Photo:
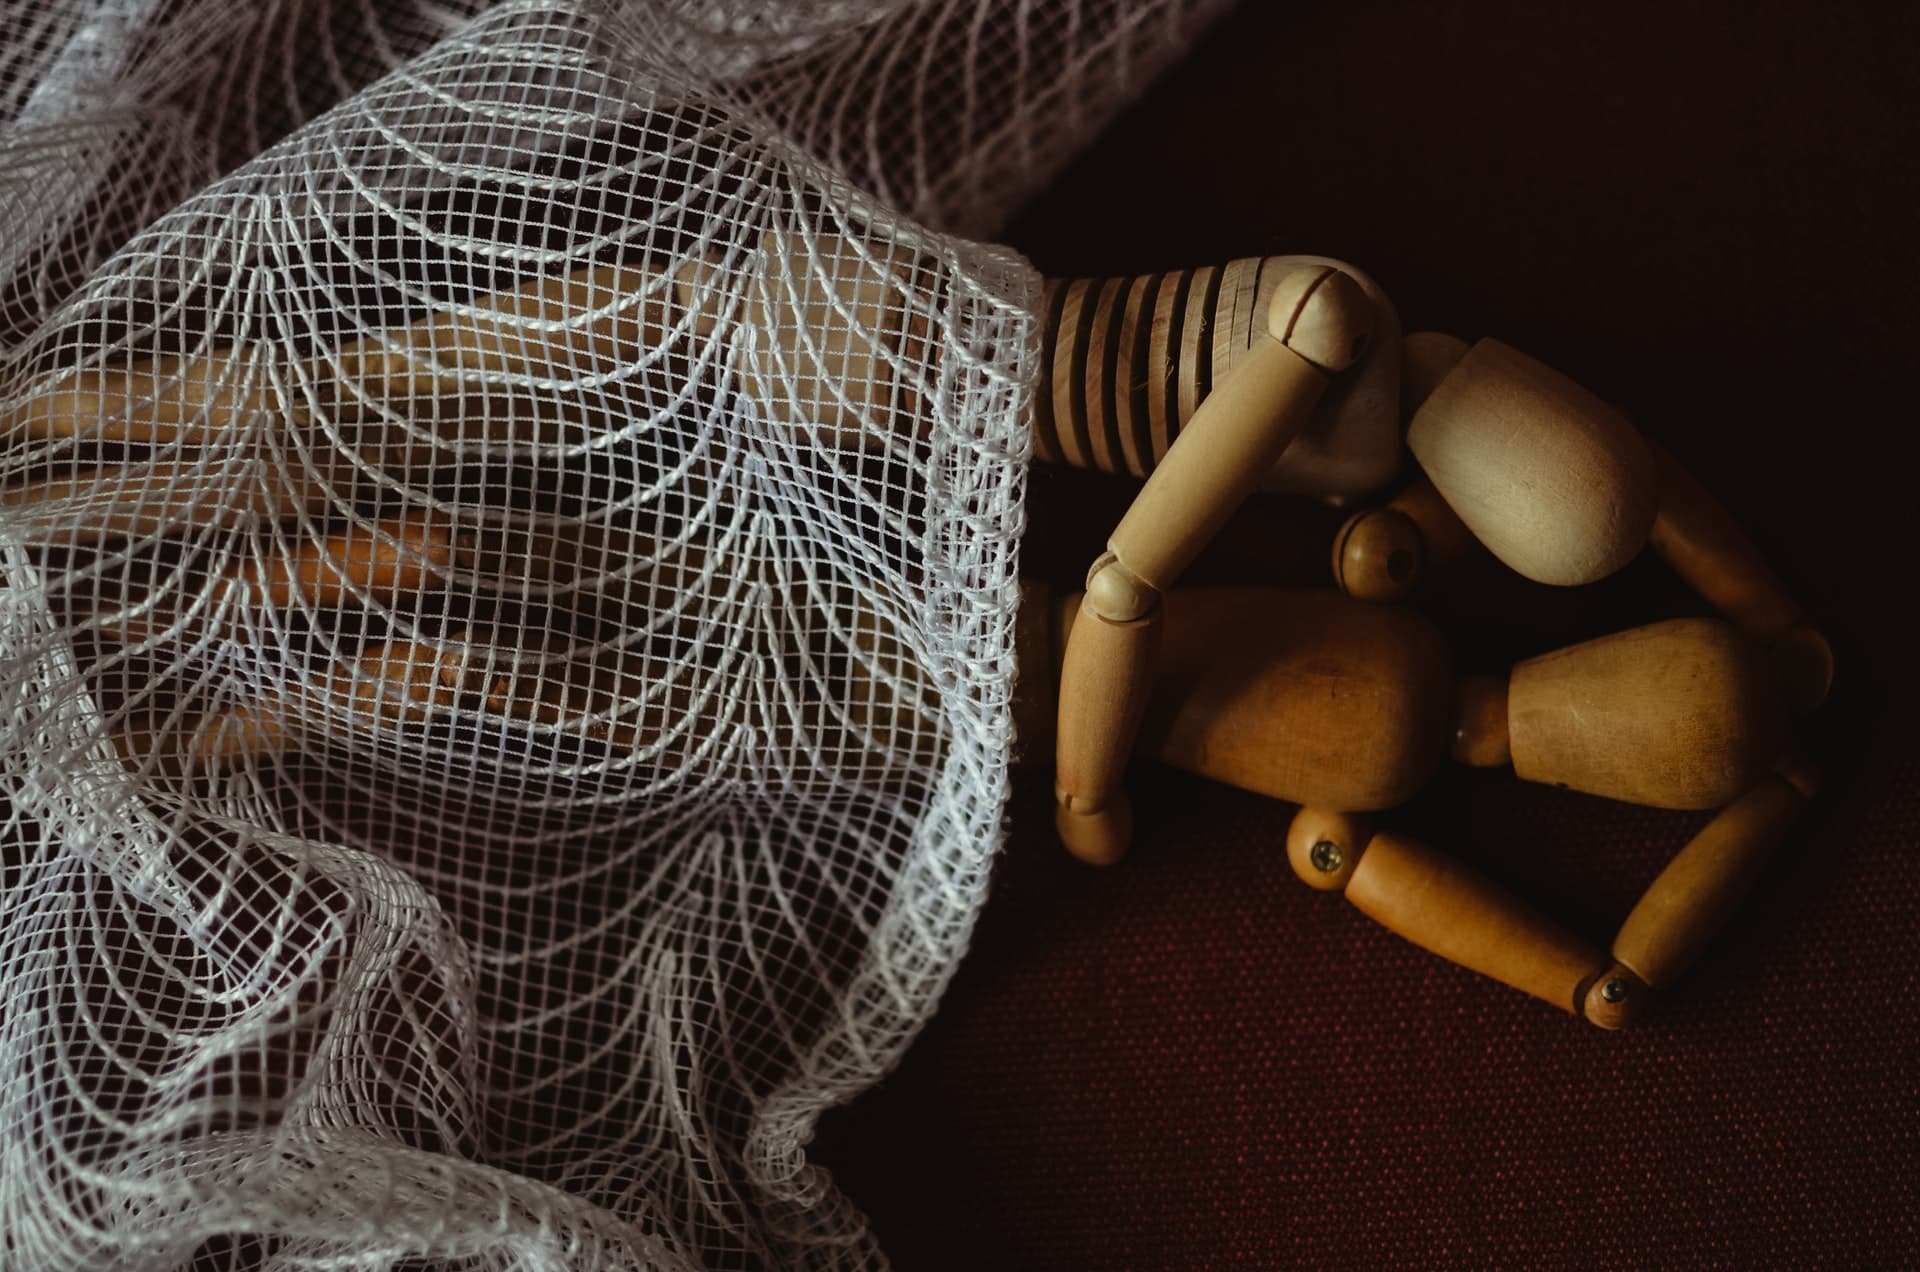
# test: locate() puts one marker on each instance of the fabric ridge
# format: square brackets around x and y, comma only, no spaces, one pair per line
[509,516]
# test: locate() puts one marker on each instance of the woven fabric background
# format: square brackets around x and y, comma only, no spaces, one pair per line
[1707,214]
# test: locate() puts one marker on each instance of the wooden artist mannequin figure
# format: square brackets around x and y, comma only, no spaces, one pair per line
[1203,382]
[1344,714]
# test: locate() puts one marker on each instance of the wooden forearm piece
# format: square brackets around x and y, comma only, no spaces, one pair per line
[393,681]
[592,322]
[1319,321]
[152,400]
[378,561]
[1109,664]
[1432,900]
[1699,538]
[384,561]
[631,704]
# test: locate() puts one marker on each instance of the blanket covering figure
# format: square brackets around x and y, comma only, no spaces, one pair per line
[311,953]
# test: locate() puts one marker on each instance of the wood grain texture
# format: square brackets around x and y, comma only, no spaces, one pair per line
[1102,405]
[1244,425]
[1302,696]
[1427,897]
[1677,714]
[1133,376]
[1552,480]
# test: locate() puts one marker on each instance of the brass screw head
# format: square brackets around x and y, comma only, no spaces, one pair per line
[1613,990]
[1326,856]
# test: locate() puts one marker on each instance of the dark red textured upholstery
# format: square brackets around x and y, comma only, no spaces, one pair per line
[1707,213]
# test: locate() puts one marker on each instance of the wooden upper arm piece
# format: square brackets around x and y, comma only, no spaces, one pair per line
[1318,323]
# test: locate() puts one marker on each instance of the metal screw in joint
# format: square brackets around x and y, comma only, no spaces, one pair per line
[1613,990]
[1326,856]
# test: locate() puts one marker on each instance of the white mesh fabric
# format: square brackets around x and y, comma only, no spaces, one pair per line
[508,621]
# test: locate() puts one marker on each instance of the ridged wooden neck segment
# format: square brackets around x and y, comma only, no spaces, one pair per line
[1127,361]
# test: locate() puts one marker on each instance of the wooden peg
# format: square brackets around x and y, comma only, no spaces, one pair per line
[1379,555]
[1555,482]
[1428,898]
[1382,554]
[1699,538]
[1318,322]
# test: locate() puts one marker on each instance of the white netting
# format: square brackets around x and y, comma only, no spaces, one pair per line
[509,604]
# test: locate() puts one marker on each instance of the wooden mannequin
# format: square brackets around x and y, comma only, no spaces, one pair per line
[1314,698]
[1340,705]
[1201,381]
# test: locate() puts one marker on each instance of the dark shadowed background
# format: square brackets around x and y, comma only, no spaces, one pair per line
[1707,213]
